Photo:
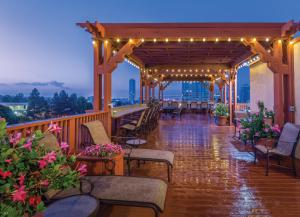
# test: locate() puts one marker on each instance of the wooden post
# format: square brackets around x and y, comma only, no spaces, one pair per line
[225,93]
[230,102]
[141,91]
[97,77]
[107,76]
[212,90]
[153,91]
[146,92]
[235,93]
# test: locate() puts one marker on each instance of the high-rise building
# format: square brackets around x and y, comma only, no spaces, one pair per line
[195,91]
[131,91]
[244,96]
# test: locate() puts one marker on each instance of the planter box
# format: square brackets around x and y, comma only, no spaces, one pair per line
[221,120]
[266,141]
[268,121]
[97,166]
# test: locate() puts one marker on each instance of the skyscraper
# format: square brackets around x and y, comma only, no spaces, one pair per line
[131,91]
[195,91]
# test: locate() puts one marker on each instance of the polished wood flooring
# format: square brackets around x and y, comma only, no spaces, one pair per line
[214,175]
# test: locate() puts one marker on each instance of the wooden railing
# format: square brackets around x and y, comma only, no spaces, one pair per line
[71,126]
[242,106]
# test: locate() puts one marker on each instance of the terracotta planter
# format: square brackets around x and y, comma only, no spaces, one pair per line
[97,166]
[269,142]
[268,121]
[221,120]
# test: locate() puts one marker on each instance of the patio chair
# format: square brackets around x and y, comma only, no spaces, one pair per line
[204,107]
[98,135]
[284,147]
[134,129]
[115,190]
[194,106]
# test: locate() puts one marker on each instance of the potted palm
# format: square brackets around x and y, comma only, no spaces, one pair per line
[221,113]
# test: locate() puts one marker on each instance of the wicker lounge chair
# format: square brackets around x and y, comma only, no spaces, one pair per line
[99,136]
[115,190]
[284,148]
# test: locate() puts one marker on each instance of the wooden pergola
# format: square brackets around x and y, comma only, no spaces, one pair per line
[167,52]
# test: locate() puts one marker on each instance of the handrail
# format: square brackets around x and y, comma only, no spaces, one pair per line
[71,126]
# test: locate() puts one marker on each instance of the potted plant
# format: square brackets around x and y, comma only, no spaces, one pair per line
[28,169]
[269,117]
[103,159]
[221,113]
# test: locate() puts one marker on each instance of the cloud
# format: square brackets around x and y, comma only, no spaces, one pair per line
[43,84]
[45,88]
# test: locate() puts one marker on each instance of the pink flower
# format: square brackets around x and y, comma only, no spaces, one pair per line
[54,128]
[42,164]
[21,179]
[5,174]
[50,157]
[8,161]
[276,129]
[64,146]
[34,201]
[19,195]
[2,119]
[15,138]
[44,182]
[82,169]
[28,145]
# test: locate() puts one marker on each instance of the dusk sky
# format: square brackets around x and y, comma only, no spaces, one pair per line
[39,41]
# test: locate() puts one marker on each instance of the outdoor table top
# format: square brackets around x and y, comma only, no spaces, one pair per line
[75,206]
[126,111]
[136,142]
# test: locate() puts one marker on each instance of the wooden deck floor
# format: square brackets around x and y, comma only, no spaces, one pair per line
[214,176]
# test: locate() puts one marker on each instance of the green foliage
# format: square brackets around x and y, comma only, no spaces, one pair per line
[221,110]
[37,105]
[62,104]
[17,98]
[8,114]
[254,127]
[28,169]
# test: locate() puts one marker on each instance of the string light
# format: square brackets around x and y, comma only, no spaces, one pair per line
[118,40]
[179,39]
[191,40]
[229,39]
[279,41]
[94,42]
[242,39]
[154,40]
[217,39]
[204,39]
[167,40]
[130,40]
[254,39]
[267,39]
[143,39]
[106,41]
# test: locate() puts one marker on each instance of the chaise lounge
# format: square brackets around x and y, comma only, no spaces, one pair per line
[98,135]
[116,190]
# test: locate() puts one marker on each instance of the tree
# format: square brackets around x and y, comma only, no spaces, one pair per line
[83,105]
[73,101]
[8,114]
[60,103]
[37,105]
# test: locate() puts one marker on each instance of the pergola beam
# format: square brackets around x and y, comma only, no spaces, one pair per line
[186,30]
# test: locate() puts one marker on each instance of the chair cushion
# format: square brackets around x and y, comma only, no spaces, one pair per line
[124,189]
[277,151]
[128,127]
[98,132]
[152,155]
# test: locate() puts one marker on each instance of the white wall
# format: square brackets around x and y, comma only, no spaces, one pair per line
[297,81]
[261,86]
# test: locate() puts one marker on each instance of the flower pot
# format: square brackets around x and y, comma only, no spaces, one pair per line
[269,142]
[268,121]
[221,120]
[101,166]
